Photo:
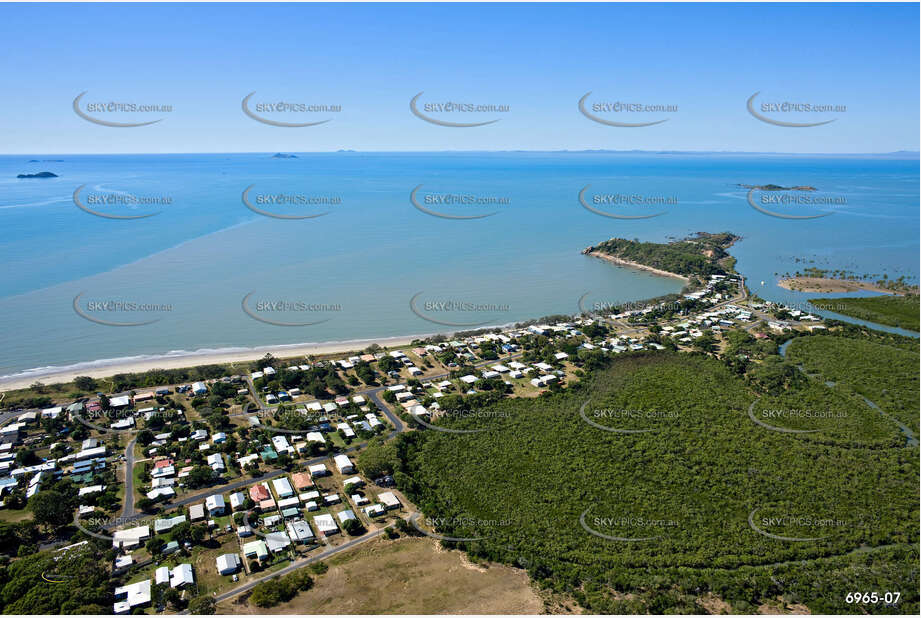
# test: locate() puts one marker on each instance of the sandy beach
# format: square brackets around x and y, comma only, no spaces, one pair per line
[629,264]
[826,285]
[103,369]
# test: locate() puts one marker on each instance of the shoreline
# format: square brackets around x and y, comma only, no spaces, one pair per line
[829,285]
[636,265]
[104,368]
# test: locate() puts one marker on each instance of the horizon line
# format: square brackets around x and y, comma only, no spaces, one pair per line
[915,153]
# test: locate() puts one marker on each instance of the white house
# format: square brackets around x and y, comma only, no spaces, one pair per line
[215,504]
[282,487]
[344,464]
[389,500]
[325,524]
[228,564]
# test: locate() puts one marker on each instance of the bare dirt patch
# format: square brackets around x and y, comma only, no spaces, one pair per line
[408,576]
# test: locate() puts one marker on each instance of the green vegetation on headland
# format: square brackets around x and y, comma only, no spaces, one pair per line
[682,499]
[901,311]
[698,256]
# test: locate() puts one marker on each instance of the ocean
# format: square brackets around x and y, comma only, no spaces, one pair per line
[375,251]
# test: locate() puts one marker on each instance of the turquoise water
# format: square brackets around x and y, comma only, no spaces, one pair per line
[373,250]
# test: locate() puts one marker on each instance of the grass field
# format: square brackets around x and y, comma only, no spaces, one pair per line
[901,311]
[408,576]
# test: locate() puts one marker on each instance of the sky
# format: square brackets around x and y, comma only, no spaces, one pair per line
[539,60]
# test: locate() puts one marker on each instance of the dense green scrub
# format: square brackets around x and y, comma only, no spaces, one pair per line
[901,311]
[702,255]
[683,498]
[884,374]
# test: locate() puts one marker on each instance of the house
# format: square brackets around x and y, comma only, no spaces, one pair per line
[356,481]
[132,595]
[389,500]
[282,488]
[316,436]
[181,575]
[258,493]
[256,549]
[299,531]
[216,461]
[228,564]
[302,481]
[281,444]
[277,541]
[167,524]
[325,524]
[344,464]
[215,504]
[347,431]
[318,470]
[199,388]
[374,510]
[346,515]
[219,438]
[130,538]
[196,512]
[120,402]
[236,501]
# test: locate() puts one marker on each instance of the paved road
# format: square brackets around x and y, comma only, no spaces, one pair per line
[128,508]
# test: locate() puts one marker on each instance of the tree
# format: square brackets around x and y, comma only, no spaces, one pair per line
[85,383]
[155,545]
[353,527]
[146,504]
[201,606]
[50,508]
[145,437]
[377,459]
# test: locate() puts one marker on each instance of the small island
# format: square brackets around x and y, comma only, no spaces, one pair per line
[772,187]
[280,155]
[38,175]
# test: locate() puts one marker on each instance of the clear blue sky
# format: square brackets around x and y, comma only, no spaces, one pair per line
[538,59]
